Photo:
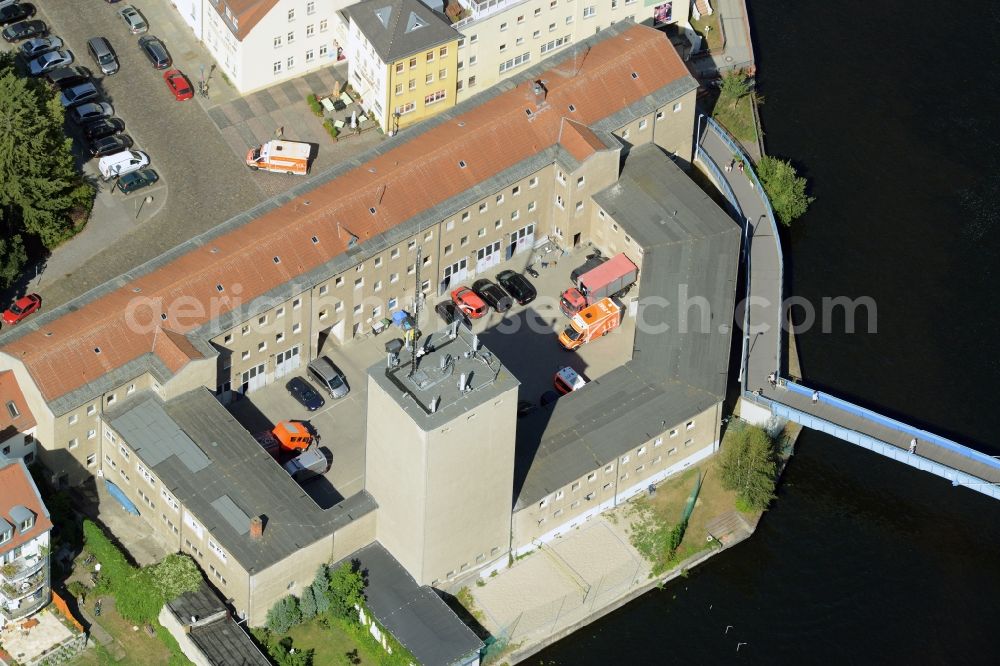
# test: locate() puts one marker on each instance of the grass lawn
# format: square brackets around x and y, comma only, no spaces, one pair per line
[331,645]
[713,36]
[736,117]
[141,649]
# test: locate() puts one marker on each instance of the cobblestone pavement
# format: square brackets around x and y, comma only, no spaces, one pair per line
[204,182]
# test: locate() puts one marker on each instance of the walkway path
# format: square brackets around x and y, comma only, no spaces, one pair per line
[763,351]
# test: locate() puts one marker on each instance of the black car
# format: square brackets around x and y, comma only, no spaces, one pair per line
[517,286]
[305,394]
[25,30]
[64,77]
[102,128]
[494,296]
[14,13]
[136,180]
[156,51]
[109,145]
[449,312]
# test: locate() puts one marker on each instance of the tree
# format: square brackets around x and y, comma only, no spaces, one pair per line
[285,655]
[307,604]
[347,590]
[321,591]
[748,465]
[284,615]
[41,188]
[175,575]
[785,188]
[735,86]
[12,259]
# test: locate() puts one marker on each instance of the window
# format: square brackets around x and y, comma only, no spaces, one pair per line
[625,459]
[575,486]
[12,409]
[291,14]
[393,278]
[642,124]
[642,450]
[215,548]
[658,441]
[262,320]
[339,282]
[310,8]
[73,443]
[92,409]
[552,27]
[589,11]
[358,283]
[544,503]
[392,303]
[277,42]
[608,469]
[472,61]
[688,443]
[123,451]
[92,433]
[91,460]
[503,26]
[533,182]
[442,73]
[322,26]
[227,338]
[532,206]
[673,433]
[579,182]
[515,215]
[483,207]
[503,47]
[579,206]
[538,11]
[412,84]
[464,241]
[672,451]
[559,495]
[73,419]
[245,330]
[472,82]
[591,477]
[112,398]
[310,55]
[296,327]
[277,67]
[473,39]
[280,337]
[560,202]
[689,425]
[413,63]
[429,77]
[429,56]
[449,248]
[677,107]
[357,310]
[394,254]
[516,61]
[290,62]
[377,286]
[245,356]
[625,134]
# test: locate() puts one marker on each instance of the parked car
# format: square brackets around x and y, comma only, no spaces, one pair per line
[517,286]
[15,12]
[122,163]
[90,111]
[331,379]
[39,45]
[49,61]
[178,84]
[21,308]
[109,145]
[133,19]
[493,294]
[78,94]
[102,53]
[156,51]
[68,76]
[306,395]
[25,30]
[567,380]
[103,127]
[137,180]
[469,302]
[450,312]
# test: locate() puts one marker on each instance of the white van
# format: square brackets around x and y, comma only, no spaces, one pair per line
[122,163]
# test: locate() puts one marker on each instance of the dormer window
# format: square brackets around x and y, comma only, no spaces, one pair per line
[6,535]
[27,523]
[12,409]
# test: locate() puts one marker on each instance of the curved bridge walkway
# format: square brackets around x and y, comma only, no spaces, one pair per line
[763,351]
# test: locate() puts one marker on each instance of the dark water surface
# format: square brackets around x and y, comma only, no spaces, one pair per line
[892,110]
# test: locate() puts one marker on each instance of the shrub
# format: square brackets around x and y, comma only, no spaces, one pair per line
[749,466]
[307,604]
[175,575]
[785,188]
[347,590]
[77,589]
[314,105]
[284,615]
[320,590]
[331,128]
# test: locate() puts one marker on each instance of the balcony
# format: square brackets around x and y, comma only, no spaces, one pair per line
[27,606]
[21,568]
[25,587]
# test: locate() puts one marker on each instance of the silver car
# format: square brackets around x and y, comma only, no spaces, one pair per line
[133,19]
[39,45]
[78,94]
[49,61]
[90,112]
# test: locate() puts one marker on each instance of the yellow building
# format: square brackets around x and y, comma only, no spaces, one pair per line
[403,60]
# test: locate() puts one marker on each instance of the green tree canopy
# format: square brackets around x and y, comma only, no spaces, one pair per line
[40,186]
[12,257]
[785,188]
[175,575]
[347,590]
[749,466]
[284,615]
[735,86]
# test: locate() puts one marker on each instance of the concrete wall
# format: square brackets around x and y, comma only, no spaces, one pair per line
[354,536]
[289,576]
[178,631]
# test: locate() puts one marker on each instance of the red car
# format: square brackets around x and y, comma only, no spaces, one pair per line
[178,84]
[468,302]
[22,307]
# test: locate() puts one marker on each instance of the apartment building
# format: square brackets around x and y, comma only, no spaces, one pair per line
[17,425]
[402,60]
[502,38]
[25,586]
[260,43]
[122,384]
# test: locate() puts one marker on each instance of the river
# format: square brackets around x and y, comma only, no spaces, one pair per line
[891,110]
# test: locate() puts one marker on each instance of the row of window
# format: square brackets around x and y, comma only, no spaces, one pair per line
[290,37]
[428,57]
[428,79]
[289,64]
[480,559]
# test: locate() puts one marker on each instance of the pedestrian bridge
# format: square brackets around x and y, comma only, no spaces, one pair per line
[763,354]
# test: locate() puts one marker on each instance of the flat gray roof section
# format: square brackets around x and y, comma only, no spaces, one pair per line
[400,28]
[213,630]
[679,362]
[414,614]
[431,394]
[238,481]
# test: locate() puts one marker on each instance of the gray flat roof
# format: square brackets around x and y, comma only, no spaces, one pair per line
[400,28]
[414,614]
[430,394]
[238,480]
[679,362]
[221,640]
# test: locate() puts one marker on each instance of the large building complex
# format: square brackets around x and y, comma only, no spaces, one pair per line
[131,381]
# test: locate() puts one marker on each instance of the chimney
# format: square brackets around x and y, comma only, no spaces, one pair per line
[256,528]
[540,92]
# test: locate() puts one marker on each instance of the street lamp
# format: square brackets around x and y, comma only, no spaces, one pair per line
[148,199]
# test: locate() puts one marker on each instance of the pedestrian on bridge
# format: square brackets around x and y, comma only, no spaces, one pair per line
[815,397]
[913,445]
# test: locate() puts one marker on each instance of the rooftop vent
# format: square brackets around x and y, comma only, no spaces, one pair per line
[257,527]
[97,350]
[315,239]
[163,316]
[461,164]
[276,260]
[635,75]
[136,289]
[219,288]
[372,210]
[528,112]
[462,382]
[572,108]
[214,250]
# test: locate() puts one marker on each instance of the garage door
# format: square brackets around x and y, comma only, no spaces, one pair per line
[488,257]
[521,240]
[286,362]
[253,379]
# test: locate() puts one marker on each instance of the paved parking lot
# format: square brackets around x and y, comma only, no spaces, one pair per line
[203,182]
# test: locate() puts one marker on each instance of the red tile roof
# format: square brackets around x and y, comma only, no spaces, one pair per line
[248,13]
[17,487]
[579,140]
[489,137]
[11,392]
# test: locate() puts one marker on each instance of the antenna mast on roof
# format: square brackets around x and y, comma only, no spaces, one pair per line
[581,60]
[417,297]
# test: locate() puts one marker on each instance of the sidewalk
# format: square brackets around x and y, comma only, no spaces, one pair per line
[738,53]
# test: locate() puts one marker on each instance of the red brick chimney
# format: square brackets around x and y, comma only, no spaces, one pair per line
[256,528]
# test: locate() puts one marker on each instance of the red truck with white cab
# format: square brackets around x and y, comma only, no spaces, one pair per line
[613,278]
